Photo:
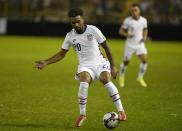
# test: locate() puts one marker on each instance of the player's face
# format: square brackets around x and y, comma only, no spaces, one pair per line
[77,23]
[135,12]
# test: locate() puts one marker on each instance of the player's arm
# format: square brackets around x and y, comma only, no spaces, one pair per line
[145,34]
[110,58]
[57,57]
[123,32]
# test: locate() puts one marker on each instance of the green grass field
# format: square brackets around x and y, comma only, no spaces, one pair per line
[46,100]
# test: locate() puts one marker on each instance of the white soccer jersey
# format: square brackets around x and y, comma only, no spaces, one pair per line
[134,27]
[86,45]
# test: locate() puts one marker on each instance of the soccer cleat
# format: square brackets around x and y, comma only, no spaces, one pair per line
[122,116]
[121,81]
[142,82]
[80,120]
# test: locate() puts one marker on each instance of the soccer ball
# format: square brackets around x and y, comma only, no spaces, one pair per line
[111,120]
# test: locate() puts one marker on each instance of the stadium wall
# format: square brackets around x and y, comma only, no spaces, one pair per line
[156,32]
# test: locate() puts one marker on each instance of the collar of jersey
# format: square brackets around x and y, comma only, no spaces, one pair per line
[136,19]
[84,29]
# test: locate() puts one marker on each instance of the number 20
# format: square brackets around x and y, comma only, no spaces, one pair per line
[77,46]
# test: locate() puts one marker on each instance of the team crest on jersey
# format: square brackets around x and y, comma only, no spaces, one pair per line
[90,37]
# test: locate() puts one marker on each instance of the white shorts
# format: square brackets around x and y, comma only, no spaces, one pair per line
[129,51]
[93,70]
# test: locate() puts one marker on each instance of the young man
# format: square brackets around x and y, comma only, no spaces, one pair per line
[86,40]
[135,29]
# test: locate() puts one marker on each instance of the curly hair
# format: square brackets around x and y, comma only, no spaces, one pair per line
[75,12]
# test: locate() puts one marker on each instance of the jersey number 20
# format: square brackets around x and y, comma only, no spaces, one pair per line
[77,47]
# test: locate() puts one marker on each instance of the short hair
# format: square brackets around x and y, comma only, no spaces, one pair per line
[135,5]
[75,12]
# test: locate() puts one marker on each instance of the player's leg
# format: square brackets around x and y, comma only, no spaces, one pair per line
[123,68]
[85,79]
[113,92]
[128,52]
[143,65]
[142,54]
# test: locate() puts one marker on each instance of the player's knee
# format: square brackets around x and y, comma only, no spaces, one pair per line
[143,58]
[144,61]
[85,77]
[105,78]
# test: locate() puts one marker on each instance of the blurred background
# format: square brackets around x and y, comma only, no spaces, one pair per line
[49,17]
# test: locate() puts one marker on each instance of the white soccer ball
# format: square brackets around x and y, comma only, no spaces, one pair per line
[111,120]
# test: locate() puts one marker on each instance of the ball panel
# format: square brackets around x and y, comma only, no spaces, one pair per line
[111,120]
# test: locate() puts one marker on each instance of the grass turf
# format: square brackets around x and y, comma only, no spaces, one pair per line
[43,100]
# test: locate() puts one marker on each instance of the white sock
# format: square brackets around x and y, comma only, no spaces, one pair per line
[113,92]
[83,94]
[122,69]
[142,70]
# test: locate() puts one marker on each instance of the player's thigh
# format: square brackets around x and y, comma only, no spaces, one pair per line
[143,58]
[85,74]
[103,71]
[128,52]
[142,53]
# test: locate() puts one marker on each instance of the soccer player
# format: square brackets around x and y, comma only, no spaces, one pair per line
[135,29]
[86,41]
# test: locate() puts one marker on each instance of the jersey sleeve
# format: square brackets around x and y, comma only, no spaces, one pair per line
[125,24]
[66,44]
[145,23]
[99,36]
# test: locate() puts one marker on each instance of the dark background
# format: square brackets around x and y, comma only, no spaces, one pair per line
[49,17]
[156,31]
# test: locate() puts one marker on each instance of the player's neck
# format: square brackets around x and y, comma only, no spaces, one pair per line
[136,18]
[83,29]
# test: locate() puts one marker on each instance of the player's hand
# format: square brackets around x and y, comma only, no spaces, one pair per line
[40,64]
[143,40]
[114,72]
[130,36]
